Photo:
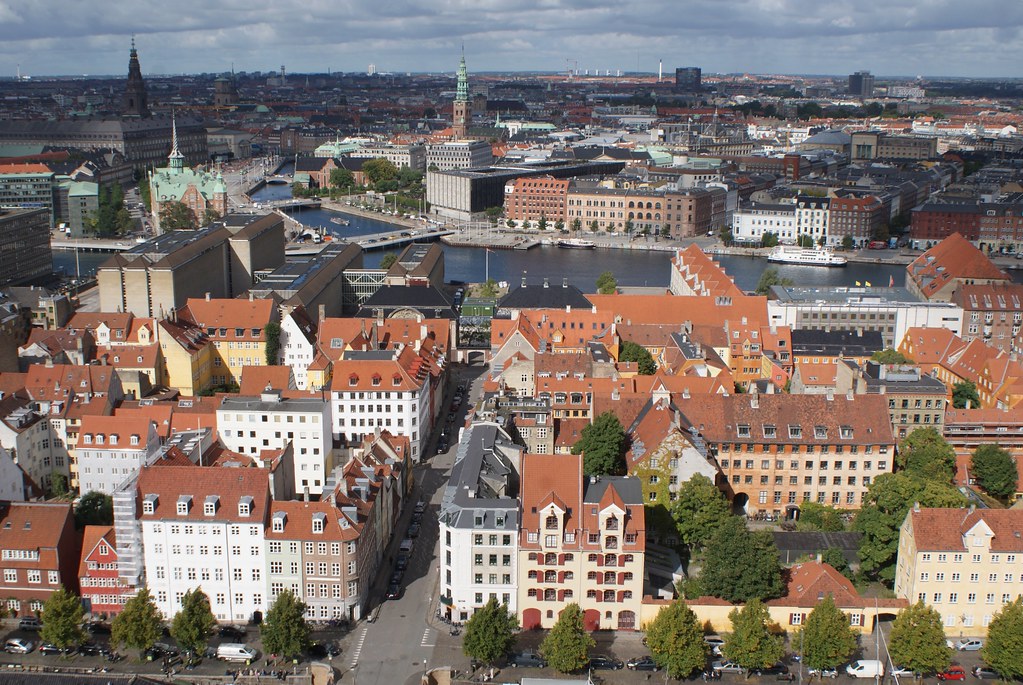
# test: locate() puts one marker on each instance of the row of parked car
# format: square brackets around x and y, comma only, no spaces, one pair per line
[394,586]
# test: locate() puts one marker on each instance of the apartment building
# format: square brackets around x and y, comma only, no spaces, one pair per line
[915,400]
[965,563]
[859,218]
[992,312]
[251,425]
[102,590]
[582,540]
[25,234]
[298,344]
[479,522]
[39,552]
[685,214]
[750,223]
[778,451]
[236,328]
[112,448]
[536,197]
[205,527]
[402,156]
[462,154]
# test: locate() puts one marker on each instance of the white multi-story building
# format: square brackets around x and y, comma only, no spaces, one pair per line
[749,224]
[389,389]
[113,448]
[812,218]
[462,154]
[478,523]
[204,528]
[411,156]
[251,425]
[297,345]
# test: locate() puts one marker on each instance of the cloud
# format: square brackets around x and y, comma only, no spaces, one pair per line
[938,37]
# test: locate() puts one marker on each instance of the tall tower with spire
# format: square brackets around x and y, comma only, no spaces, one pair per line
[135,101]
[462,112]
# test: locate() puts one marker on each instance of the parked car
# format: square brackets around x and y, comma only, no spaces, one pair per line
[605,662]
[778,671]
[401,563]
[903,672]
[393,591]
[92,649]
[29,623]
[396,576]
[232,632]
[642,663]
[53,650]
[727,667]
[166,649]
[967,644]
[953,672]
[420,507]
[985,673]
[413,530]
[324,650]
[528,660]
[822,672]
[866,668]
[17,645]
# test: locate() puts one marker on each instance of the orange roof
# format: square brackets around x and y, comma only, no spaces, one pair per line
[953,258]
[229,314]
[91,537]
[544,475]
[24,169]
[255,379]
[675,309]
[171,483]
[703,275]
[946,529]
[123,426]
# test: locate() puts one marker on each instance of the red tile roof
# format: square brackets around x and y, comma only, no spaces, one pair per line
[91,537]
[945,529]
[230,484]
[953,258]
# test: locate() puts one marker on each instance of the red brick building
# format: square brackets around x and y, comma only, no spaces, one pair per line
[39,553]
[101,589]
[936,221]
[528,199]
[859,217]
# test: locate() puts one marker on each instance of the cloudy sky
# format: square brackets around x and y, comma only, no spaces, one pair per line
[887,37]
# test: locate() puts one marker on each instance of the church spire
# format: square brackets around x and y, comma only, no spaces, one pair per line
[462,94]
[135,99]
[462,109]
[176,160]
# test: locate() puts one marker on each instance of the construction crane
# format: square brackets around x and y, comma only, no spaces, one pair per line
[574,71]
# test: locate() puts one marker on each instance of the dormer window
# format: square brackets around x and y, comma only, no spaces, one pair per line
[134,440]
[245,506]
[499,520]
[551,522]
[846,432]
[113,438]
[795,431]
[149,504]
[396,381]
[353,380]
[820,432]
[611,523]
[743,429]
[99,438]
[318,522]
[184,504]
[770,430]
[87,438]
[209,507]
[280,518]
[376,379]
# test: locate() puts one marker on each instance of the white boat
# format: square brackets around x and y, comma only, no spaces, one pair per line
[577,244]
[339,221]
[805,256]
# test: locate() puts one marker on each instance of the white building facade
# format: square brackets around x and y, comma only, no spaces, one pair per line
[749,224]
[111,449]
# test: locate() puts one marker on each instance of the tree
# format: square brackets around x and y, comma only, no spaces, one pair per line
[809,110]
[594,226]
[542,224]
[379,170]
[884,509]
[631,352]
[917,640]
[62,619]
[847,242]
[176,216]
[965,396]
[494,214]
[751,644]
[577,225]
[741,565]
[606,283]
[559,226]
[834,558]
[675,640]
[890,356]
[805,240]
[58,485]
[995,470]
[489,288]
[146,194]
[769,279]
[769,239]
[490,632]
[666,231]
[826,637]
[209,216]
[192,625]
[814,516]
[511,223]
[925,453]
[1003,650]
[699,510]
[388,260]
[94,509]
[601,444]
[567,643]
[341,178]
[284,630]
[272,330]
[140,623]
[629,226]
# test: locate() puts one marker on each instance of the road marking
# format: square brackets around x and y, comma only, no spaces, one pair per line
[358,647]
[427,637]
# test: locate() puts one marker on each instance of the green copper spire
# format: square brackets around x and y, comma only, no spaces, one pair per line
[462,94]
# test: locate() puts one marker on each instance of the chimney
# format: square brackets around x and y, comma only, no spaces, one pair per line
[754,401]
[322,312]
[564,282]
[546,282]
[207,296]
[568,309]
[251,296]
[830,396]
[916,507]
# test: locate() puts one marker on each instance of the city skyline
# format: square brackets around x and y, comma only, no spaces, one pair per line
[899,37]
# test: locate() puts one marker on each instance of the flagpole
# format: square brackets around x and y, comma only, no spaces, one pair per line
[487,279]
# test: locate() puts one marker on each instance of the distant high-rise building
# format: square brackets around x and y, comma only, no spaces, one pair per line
[135,99]
[462,112]
[688,79]
[371,70]
[861,84]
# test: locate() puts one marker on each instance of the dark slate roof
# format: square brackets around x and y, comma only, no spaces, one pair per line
[857,343]
[433,303]
[545,296]
[628,489]
[793,545]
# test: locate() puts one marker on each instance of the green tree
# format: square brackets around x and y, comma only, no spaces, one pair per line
[62,619]
[146,194]
[542,224]
[58,485]
[629,226]
[925,453]
[751,643]
[559,226]
[511,223]
[675,640]
[566,645]
[847,242]
[410,177]
[884,509]
[176,216]
[602,444]
[809,110]
[284,630]
[489,288]
[490,632]
[94,509]
[995,470]
[769,239]
[209,216]
[272,331]
[192,625]
[1003,650]
[666,231]
[699,510]
[890,356]
[594,226]
[814,516]
[769,279]
[834,558]
[577,225]
[917,640]
[740,565]
[631,352]
[826,638]
[379,170]
[494,214]
[341,178]
[388,260]
[965,396]
[606,283]
[805,240]
[140,623]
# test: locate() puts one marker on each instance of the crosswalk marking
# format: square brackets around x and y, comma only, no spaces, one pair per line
[427,640]
[358,647]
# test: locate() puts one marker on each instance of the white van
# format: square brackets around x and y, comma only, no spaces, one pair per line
[236,651]
[866,668]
